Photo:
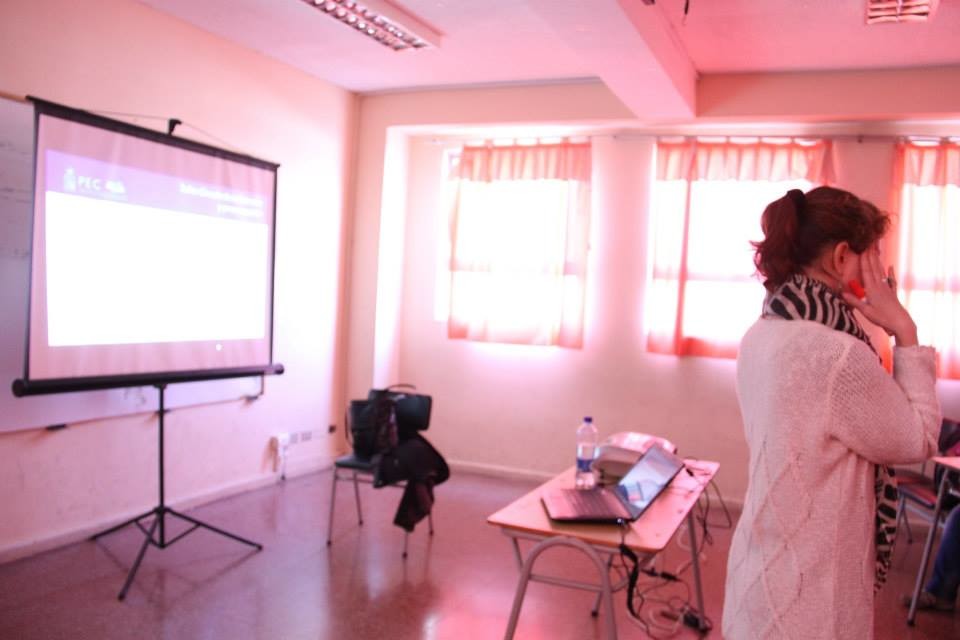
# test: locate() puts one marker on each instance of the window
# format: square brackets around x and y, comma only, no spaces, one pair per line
[519,227]
[929,263]
[708,198]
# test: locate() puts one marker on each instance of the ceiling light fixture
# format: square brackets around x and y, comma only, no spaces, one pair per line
[383,21]
[900,10]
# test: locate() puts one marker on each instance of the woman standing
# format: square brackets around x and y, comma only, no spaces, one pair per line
[822,419]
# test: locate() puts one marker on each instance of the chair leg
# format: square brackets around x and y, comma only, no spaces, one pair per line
[900,507]
[356,495]
[406,534]
[333,500]
[906,524]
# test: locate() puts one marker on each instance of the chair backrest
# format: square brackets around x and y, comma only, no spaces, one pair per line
[948,444]
[949,441]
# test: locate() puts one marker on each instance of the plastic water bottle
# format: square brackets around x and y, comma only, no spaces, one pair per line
[587,439]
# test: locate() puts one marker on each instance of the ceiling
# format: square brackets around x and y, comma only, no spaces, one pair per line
[628,44]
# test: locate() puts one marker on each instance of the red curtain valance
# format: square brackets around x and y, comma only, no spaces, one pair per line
[561,161]
[931,164]
[772,161]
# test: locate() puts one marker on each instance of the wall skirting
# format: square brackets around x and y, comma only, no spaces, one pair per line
[499,471]
[28,548]
[295,468]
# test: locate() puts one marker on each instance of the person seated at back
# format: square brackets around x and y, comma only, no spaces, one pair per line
[940,592]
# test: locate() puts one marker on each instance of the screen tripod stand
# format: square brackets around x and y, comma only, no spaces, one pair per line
[159,514]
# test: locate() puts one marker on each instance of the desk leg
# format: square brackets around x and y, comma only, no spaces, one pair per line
[922,570]
[516,553]
[596,603]
[702,624]
[527,571]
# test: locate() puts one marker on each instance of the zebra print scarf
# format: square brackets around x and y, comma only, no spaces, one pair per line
[803,298]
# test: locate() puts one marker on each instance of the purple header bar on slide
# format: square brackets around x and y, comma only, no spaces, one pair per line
[89,178]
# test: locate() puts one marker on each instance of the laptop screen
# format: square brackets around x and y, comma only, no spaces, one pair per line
[647,478]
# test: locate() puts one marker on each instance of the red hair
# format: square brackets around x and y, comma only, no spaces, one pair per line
[798,227]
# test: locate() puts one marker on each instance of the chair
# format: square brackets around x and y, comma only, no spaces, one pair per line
[359,470]
[918,491]
[412,415]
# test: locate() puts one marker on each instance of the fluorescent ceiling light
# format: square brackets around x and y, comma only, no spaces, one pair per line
[383,21]
[900,10]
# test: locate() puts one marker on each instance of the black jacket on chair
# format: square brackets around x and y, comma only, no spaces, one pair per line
[416,461]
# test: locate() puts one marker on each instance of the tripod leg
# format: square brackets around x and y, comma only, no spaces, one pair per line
[123,524]
[136,565]
[256,545]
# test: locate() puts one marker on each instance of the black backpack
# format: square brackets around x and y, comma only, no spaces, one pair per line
[372,424]
[386,418]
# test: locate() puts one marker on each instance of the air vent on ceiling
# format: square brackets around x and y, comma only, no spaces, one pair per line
[382,21]
[900,10]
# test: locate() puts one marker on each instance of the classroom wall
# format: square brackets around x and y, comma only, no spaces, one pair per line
[513,409]
[372,359]
[123,57]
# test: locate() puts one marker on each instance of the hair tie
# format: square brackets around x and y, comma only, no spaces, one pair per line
[799,202]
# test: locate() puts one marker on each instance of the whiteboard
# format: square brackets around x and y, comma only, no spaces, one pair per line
[31,412]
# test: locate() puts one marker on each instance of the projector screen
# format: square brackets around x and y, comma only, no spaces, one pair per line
[152,258]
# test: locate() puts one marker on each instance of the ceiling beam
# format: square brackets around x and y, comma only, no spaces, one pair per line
[632,47]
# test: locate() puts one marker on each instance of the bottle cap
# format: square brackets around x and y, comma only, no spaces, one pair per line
[588,419]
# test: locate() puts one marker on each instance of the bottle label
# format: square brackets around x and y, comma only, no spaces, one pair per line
[583,465]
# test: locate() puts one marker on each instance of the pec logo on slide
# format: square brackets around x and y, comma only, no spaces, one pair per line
[88,183]
[69,179]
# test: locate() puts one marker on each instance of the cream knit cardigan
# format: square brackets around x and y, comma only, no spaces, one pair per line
[818,411]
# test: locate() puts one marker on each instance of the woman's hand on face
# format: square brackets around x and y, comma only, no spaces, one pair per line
[881,305]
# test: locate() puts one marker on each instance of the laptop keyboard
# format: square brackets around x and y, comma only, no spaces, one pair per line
[592,502]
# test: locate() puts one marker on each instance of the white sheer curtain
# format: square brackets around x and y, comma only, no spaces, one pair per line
[929,264]
[708,199]
[519,239]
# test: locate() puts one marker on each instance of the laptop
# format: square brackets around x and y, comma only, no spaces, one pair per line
[626,501]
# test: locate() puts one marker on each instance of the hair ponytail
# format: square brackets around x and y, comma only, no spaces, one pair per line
[798,227]
[775,257]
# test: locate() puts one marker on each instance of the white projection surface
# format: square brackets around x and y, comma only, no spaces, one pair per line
[146,257]
[16,213]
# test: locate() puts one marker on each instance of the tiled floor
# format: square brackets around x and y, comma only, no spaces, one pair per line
[458,584]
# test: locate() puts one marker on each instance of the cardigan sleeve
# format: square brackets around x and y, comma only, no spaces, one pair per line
[885,419]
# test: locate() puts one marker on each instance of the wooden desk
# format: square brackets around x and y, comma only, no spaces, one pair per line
[526,518]
[951,464]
